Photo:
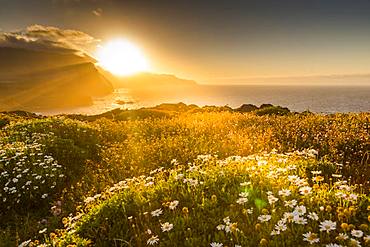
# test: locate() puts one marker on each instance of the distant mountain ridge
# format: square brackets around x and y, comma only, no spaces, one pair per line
[309,80]
[148,81]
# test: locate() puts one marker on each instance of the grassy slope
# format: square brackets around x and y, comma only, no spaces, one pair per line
[102,151]
[220,201]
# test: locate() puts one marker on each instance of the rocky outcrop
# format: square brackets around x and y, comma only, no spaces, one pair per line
[246,108]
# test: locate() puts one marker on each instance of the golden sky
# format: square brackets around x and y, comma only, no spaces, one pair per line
[218,41]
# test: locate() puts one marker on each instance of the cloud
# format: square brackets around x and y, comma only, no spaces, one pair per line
[40,37]
[77,1]
[98,12]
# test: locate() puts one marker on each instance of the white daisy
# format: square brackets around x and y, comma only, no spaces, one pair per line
[157,212]
[214,244]
[313,216]
[166,227]
[300,210]
[357,233]
[290,204]
[305,190]
[328,225]
[333,245]
[354,242]
[152,240]
[242,200]
[264,218]
[285,192]
[173,204]
[311,237]
[342,236]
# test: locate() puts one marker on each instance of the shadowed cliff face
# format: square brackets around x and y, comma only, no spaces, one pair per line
[17,61]
[34,80]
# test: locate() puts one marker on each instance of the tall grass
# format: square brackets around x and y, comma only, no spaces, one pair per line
[92,154]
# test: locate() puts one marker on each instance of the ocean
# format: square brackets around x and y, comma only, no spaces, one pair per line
[318,99]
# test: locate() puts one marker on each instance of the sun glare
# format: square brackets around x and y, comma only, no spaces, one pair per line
[121,57]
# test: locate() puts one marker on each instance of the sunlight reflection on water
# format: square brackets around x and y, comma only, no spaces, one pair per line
[298,98]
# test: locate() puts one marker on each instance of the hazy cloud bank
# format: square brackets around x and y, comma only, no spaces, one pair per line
[40,37]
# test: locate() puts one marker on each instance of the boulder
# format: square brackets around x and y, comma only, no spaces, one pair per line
[247,108]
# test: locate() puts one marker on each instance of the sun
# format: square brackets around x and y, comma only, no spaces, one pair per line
[121,57]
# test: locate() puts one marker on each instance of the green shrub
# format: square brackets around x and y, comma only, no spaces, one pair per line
[69,142]
[4,121]
[141,114]
[272,110]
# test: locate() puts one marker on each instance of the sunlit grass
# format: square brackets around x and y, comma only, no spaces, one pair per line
[266,200]
[79,159]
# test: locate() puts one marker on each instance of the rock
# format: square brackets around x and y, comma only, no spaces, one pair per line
[266,106]
[273,110]
[246,108]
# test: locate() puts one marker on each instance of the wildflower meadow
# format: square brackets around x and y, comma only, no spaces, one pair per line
[178,175]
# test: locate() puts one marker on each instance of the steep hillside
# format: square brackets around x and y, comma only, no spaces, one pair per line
[16,61]
[34,80]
